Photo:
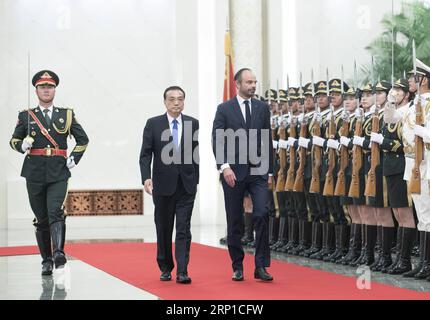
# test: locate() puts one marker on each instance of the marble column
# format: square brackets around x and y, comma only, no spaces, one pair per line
[246,25]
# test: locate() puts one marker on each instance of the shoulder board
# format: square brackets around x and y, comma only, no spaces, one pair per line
[64,108]
[25,110]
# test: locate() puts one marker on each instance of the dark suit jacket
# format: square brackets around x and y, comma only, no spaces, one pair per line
[229,116]
[63,123]
[165,176]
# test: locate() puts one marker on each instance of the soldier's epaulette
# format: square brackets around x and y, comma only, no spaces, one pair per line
[26,109]
[65,108]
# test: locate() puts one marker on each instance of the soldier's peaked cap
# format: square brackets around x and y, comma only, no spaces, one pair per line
[45,77]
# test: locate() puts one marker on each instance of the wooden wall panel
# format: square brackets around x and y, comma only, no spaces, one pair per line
[104,202]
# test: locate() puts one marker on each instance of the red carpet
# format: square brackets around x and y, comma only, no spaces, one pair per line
[18,251]
[210,270]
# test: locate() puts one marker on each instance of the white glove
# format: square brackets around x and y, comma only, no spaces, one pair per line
[376,137]
[358,141]
[27,143]
[345,141]
[318,141]
[422,132]
[390,115]
[70,162]
[333,144]
[291,141]
[358,112]
[304,143]
[283,144]
[275,144]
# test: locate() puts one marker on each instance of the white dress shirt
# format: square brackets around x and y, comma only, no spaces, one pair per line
[51,109]
[242,106]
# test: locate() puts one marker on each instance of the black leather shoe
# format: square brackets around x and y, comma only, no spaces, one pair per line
[237,275]
[59,259]
[261,273]
[183,278]
[166,276]
[47,267]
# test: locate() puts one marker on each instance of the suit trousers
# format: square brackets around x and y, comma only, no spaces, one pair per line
[180,204]
[257,188]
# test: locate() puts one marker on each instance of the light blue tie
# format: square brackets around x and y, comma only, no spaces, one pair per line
[175,133]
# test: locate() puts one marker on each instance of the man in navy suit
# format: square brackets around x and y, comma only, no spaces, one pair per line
[245,166]
[170,142]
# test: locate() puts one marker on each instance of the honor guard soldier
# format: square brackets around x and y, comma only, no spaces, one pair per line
[271,97]
[380,201]
[341,228]
[299,192]
[352,106]
[411,131]
[41,134]
[283,200]
[367,214]
[394,168]
[317,204]
[323,102]
[290,163]
[310,232]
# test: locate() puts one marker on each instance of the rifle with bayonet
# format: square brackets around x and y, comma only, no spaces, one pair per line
[300,175]
[329,178]
[316,151]
[370,189]
[415,182]
[289,185]
[280,183]
[340,189]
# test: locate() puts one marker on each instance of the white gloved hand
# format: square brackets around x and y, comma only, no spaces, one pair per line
[390,115]
[345,141]
[318,141]
[291,141]
[275,144]
[358,112]
[283,144]
[304,143]
[422,132]
[333,144]
[358,141]
[27,143]
[70,162]
[376,137]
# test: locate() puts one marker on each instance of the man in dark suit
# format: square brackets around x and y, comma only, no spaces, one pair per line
[245,166]
[42,134]
[170,141]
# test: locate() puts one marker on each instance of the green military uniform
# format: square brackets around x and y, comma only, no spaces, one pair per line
[334,202]
[355,237]
[46,169]
[324,213]
[281,196]
[397,189]
[381,198]
[270,96]
[287,197]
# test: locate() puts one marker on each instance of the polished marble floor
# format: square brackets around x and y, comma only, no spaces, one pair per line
[20,280]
